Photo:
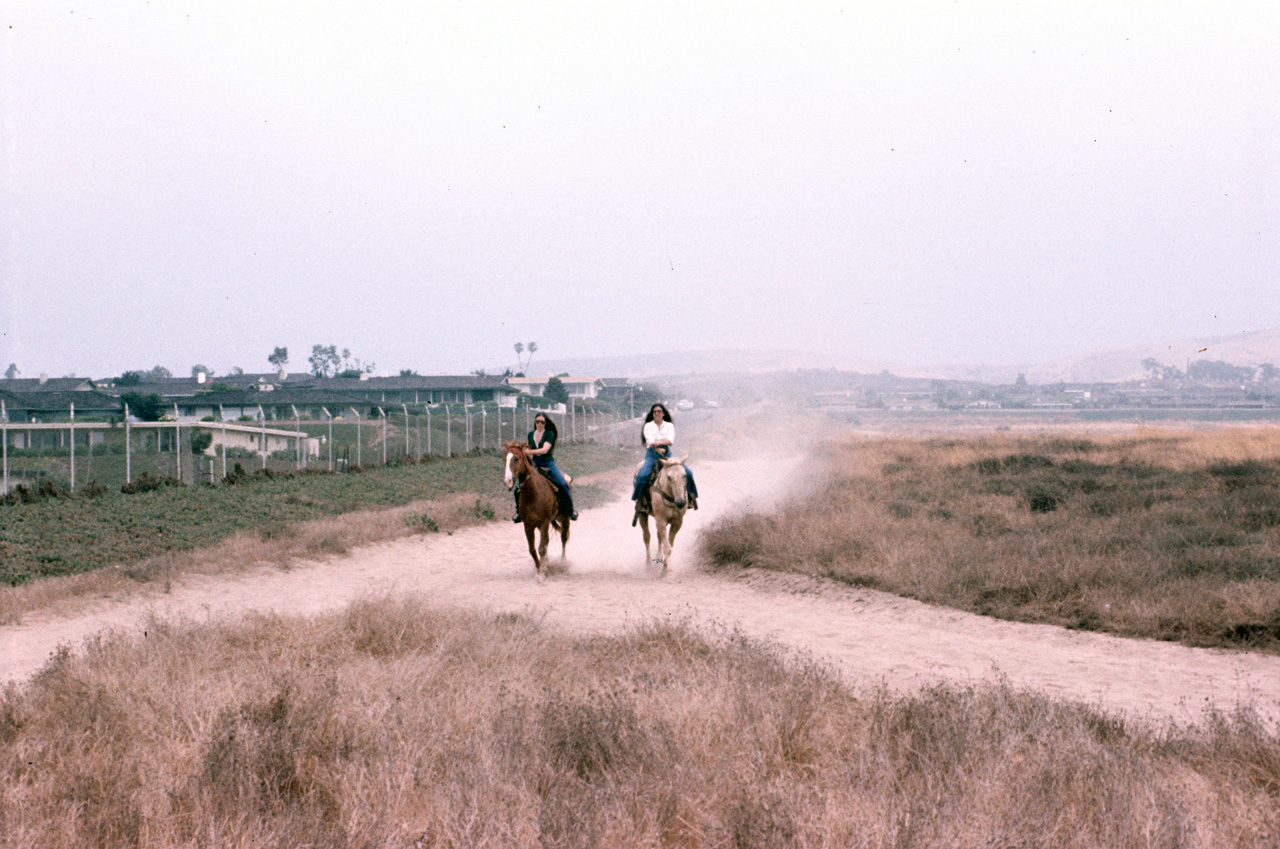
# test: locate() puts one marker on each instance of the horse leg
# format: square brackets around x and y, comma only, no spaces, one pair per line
[564,537]
[533,550]
[544,534]
[664,548]
[644,527]
[673,528]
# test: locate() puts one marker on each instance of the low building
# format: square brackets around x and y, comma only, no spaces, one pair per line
[615,387]
[431,389]
[56,406]
[257,439]
[575,387]
[44,383]
[274,405]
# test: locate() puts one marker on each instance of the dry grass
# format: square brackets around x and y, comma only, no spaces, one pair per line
[398,725]
[1172,535]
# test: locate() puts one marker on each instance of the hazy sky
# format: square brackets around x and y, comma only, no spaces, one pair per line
[427,183]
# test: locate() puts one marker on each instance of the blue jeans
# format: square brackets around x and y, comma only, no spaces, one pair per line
[651,457]
[553,472]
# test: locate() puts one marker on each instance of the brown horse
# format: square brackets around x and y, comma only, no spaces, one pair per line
[669,499]
[539,508]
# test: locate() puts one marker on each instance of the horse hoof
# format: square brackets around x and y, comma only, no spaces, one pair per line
[540,578]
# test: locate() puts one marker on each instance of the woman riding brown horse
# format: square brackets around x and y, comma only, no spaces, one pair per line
[538,505]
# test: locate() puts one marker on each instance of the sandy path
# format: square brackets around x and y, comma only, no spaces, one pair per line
[870,637]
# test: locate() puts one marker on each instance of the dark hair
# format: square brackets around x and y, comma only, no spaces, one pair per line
[550,425]
[666,417]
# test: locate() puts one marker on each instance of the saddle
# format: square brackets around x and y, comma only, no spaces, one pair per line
[546,476]
[644,504]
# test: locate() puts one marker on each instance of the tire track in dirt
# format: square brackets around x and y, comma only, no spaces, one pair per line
[871,638]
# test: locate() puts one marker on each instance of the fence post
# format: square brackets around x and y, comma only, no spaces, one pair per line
[222,418]
[4,438]
[358,438]
[329,416]
[177,442]
[297,436]
[405,407]
[128,455]
[73,447]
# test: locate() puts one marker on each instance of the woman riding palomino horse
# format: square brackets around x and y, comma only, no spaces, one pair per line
[658,435]
[669,498]
[541,444]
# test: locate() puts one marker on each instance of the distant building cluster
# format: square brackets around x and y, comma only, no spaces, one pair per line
[1199,389]
[280,395]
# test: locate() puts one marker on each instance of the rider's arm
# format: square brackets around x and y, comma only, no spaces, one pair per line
[655,438]
[548,441]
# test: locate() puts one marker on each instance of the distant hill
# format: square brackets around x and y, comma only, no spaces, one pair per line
[1116,365]
[1108,366]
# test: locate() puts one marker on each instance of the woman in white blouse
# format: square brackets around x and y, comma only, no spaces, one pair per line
[657,436]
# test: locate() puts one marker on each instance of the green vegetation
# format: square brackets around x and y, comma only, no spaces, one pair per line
[393,724]
[54,533]
[1167,536]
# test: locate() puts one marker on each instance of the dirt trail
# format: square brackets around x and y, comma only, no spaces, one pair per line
[870,637]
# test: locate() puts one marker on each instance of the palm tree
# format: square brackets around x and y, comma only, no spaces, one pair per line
[533,346]
[519,351]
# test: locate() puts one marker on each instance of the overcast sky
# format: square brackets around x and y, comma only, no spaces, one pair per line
[427,183]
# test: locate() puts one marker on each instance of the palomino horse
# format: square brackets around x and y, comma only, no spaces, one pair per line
[668,500]
[539,508]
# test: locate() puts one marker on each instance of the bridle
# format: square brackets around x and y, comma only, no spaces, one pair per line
[524,467]
[669,499]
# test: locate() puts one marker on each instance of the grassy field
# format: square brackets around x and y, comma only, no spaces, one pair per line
[1171,535]
[397,725]
[69,534]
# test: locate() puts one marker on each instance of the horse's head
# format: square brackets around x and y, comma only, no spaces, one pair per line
[516,457]
[672,482]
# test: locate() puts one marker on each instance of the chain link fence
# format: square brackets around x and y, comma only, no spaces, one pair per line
[74,454]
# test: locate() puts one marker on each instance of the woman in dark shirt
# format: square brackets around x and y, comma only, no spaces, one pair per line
[542,444]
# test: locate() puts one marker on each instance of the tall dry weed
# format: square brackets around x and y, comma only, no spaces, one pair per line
[395,724]
[1165,535]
